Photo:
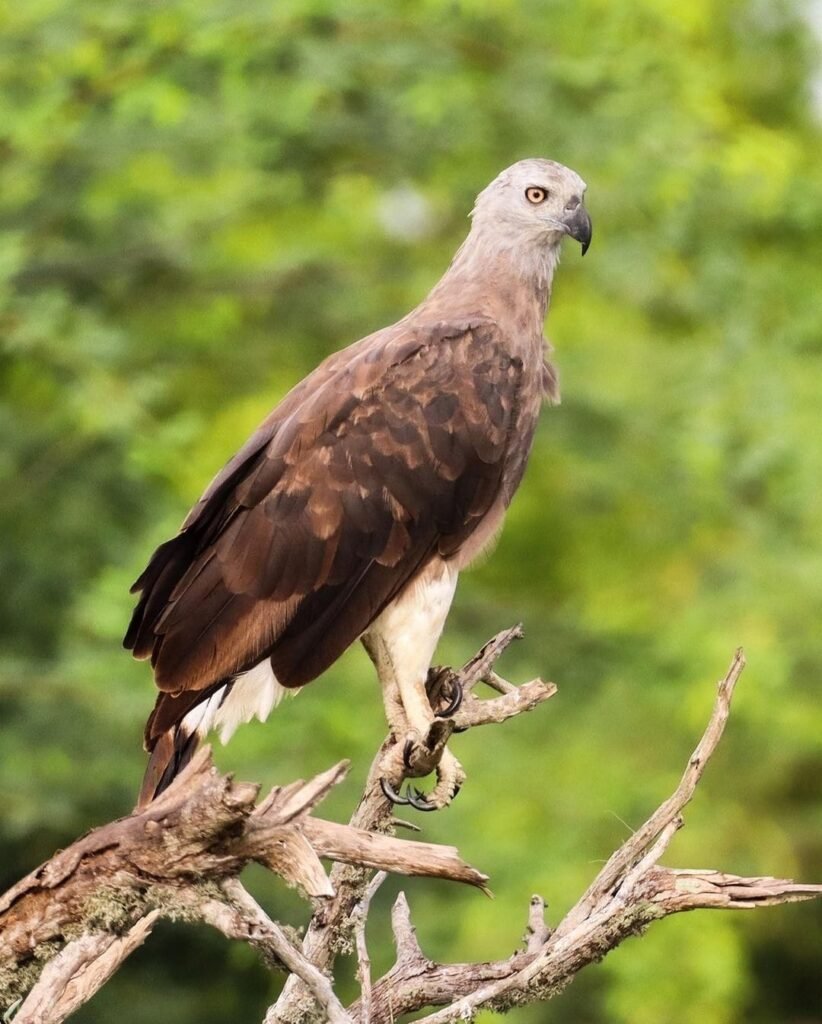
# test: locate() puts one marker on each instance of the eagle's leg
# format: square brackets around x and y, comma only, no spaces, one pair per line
[401,643]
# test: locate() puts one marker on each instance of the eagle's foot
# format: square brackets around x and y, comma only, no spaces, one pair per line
[450,777]
[417,760]
[415,755]
[445,692]
[421,754]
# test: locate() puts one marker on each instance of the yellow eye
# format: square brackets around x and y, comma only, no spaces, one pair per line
[536,195]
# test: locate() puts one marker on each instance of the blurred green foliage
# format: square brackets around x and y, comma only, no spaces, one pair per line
[200,200]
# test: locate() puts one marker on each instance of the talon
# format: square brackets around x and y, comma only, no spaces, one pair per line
[407,751]
[455,702]
[418,800]
[392,795]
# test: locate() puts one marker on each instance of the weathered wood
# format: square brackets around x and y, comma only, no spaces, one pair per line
[67,926]
[350,845]
[629,893]
[73,914]
[332,924]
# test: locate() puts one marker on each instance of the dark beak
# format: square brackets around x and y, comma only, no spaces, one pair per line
[578,225]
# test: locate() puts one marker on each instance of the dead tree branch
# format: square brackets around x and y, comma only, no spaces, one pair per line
[66,927]
[82,967]
[70,923]
[331,929]
[363,959]
[630,892]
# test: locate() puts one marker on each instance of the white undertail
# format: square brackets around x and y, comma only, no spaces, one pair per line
[252,694]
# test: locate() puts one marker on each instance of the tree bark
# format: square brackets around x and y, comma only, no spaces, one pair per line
[67,926]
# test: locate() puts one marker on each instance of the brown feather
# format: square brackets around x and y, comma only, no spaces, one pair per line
[404,448]
[389,452]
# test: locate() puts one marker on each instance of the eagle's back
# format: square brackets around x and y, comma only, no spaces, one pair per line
[391,452]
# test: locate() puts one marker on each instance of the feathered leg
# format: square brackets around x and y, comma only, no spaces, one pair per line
[401,643]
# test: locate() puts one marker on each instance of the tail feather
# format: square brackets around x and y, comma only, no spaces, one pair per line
[173,732]
[170,754]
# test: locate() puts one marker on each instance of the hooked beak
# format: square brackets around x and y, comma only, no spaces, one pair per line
[577,224]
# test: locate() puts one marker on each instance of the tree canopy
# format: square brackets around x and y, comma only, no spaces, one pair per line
[201,200]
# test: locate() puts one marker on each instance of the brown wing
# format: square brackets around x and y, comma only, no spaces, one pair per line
[388,453]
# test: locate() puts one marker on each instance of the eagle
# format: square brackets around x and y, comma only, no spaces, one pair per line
[351,511]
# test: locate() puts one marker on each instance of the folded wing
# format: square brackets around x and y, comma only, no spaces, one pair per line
[390,452]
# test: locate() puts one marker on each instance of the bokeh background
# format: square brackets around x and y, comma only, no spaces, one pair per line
[200,200]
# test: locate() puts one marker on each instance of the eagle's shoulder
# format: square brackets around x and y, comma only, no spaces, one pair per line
[392,450]
[416,357]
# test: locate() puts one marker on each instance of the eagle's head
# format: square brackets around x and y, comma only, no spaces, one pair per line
[534,203]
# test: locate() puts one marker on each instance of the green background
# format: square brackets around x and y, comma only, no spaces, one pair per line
[199,201]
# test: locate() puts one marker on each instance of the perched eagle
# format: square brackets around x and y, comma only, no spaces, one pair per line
[351,511]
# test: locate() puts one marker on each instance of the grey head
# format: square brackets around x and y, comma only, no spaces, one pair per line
[533,204]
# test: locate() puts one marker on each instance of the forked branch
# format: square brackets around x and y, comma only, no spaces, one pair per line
[66,927]
[332,925]
[630,892]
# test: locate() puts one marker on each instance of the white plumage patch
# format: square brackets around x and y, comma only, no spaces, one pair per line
[402,640]
[201,717]
[252,694]
[411,625]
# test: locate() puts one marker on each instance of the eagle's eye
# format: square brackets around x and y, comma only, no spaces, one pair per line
[536,195]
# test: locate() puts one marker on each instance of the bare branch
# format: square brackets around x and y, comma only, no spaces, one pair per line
[96,900]
[415,981]
[678,889]
[363,960]
[66,927]
[635,846]
[79,970]
[515,701]
[331,926]
[243,918]
[399,856]
[496,682]
[629,893]
[405,935]
[478,668]
[538,931]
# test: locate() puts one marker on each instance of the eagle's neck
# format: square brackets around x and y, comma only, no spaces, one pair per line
[501,278]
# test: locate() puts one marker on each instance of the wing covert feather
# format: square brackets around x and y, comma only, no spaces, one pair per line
[390,452]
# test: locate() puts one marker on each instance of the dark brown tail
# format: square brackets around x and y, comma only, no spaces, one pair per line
[170,754]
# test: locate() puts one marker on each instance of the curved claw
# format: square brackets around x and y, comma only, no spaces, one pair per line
[392,795]
[455,702]
[407,751]
[418,801]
